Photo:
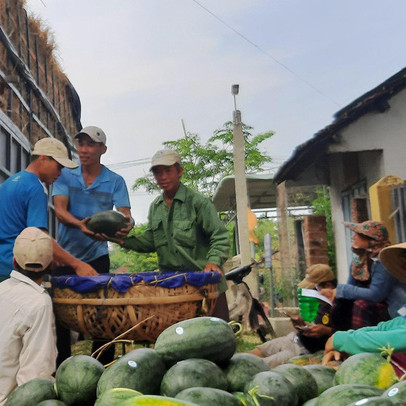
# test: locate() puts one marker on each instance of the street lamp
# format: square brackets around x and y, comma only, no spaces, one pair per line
[234,91]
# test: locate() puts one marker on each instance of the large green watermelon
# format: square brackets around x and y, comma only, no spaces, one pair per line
[244,398]
[200,337]
[154,400]
[342,395]
[241,368]
[76,380]
[397,390]
[31,393]
[208,397]
[270,388]
[141,369]
[190,373]
[366,369]
[116,396]
[378,401]
[323,374]
[301,379]
[310,402]
[107,222]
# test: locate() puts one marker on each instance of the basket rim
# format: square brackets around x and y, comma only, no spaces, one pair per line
[136,300]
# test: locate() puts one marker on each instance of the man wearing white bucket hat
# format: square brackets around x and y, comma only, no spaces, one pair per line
[27,330]
[389,333]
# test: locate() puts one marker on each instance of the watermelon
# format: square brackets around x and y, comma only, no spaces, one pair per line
[398,391]
[377,401]
[200,337]
[241,368]
[366,369]
[310,402]
[141,369]
[51,402]
[31,393]
[116,396]
[76,380]
[301,379]
[192,372]
[208,397]
[153,400]
[244,398]
[270,388]
[107,222]
[323,375]
[342,395]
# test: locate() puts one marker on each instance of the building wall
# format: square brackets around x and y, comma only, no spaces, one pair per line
[36,98]
[367,150]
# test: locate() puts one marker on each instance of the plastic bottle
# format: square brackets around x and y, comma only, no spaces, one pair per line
[308,306]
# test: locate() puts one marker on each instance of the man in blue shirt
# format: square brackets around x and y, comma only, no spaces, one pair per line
[84,191]
[80,193]
[24,203]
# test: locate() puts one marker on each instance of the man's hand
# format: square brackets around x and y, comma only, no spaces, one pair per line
[125,230]
[83,269]
[297,321]
[83,227]
[211,267]
[330,354]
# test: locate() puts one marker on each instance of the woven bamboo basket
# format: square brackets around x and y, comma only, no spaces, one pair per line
[107,313]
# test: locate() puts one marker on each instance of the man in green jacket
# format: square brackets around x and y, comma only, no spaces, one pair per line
[183,227]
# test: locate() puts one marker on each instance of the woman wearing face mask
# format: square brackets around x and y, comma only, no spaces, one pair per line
[371,292]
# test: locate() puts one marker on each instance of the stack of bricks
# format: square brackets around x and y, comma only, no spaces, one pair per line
[359,210]
[315,240]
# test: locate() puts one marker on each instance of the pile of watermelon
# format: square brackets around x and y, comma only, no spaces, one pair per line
[194,362]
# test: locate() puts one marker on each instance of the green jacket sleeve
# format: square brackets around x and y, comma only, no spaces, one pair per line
[143,242]
[370,339]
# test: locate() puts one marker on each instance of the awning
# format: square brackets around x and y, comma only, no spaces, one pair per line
[262,193]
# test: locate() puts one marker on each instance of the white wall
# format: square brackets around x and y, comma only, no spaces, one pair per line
[376,131]
[382,138]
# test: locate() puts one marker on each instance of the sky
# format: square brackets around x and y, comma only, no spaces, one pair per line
[142,67]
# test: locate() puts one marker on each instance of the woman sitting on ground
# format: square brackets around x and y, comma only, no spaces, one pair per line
[371,293]
[391,333]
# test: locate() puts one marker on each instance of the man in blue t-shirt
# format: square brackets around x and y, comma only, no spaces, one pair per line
[84,191]
[80,193]
[24,203]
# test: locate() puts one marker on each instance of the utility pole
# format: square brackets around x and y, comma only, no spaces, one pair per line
[241,194]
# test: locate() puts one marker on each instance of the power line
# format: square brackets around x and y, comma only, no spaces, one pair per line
[128,164]
[268,54]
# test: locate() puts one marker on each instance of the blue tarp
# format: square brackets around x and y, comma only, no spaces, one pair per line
[122,282]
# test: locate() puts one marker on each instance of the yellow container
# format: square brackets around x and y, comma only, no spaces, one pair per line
[380,197]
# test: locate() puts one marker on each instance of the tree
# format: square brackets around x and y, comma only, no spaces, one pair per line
[133,261]
[206,164]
